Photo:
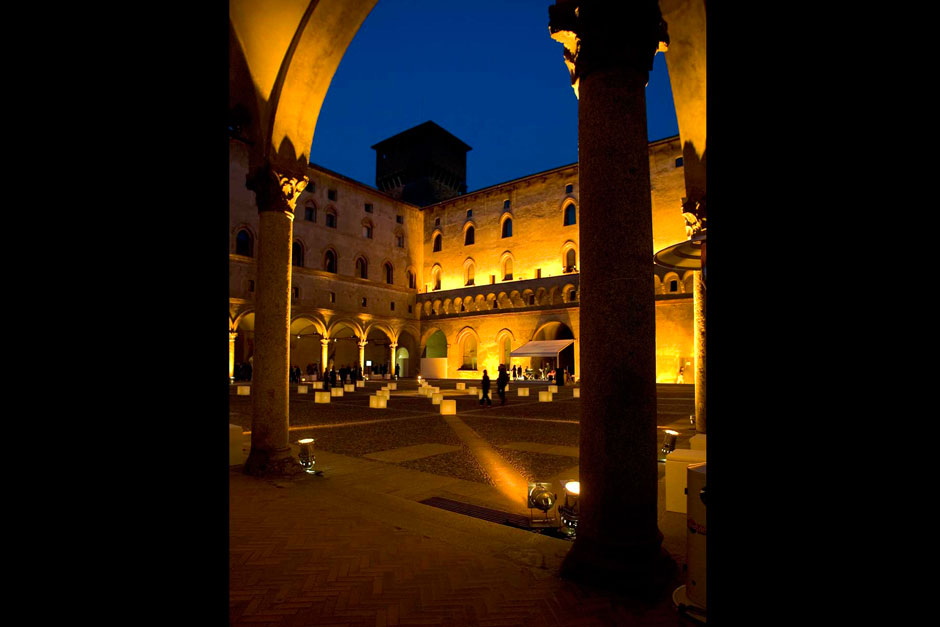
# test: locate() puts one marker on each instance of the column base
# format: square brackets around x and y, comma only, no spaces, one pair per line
[643,574]
[272,464]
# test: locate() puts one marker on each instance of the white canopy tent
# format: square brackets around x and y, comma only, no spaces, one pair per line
[542,348]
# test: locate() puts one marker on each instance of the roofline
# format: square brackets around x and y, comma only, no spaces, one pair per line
[374,190]
[664,140]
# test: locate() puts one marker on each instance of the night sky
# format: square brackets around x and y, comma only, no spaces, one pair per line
[487,71]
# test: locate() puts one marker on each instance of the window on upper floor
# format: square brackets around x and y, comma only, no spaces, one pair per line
[244,243]
[468,236]
[570,260]
[400,240]
[310,214]
[507,227]
[362,268]
[411,279]
[331,194]
[506,204]
[368,207]
[570,215]
[437,221]
[679,162]
[399,219]
[297,255]
[507,269]
[329,261]
[389,274]
[367,230]
[331,219]
[469,213]
[569,189]
[437,242]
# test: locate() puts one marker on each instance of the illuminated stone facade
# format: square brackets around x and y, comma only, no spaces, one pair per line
[372,274]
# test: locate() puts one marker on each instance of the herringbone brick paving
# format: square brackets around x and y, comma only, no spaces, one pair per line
[304,555]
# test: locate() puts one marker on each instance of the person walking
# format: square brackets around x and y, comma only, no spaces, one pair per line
[486,390]
[502,380]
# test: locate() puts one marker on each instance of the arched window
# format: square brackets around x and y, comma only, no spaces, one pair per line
[469,353]
[507,227]
[388,273]
[411,279]
[570,217]
[367,229]
[297,255]
[310,213]
[243,243]
[507,269]
[468,236]
[437,242]
[469,272]
[570,260]
[329,261]
[436,278]
[362,268]
[331,218]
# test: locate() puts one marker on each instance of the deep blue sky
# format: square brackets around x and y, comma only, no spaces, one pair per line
[487,71]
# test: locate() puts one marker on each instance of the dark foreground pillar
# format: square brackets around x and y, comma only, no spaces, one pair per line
[618,542]
[270,449]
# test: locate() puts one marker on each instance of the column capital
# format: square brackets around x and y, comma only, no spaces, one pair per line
[695,216]
[325,342]
[276,190]
[232,335]
[362,343]
[597,34]
[393,345]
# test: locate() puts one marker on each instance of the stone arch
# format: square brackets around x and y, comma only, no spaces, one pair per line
[306,351]
[657,284]
[313,320]
[436,343]
[569,212]
[516,299]
[447,306]
[668,286]
[379,326]
[541,297]
[554,295]
[436,277]
[503,228]
[252,239]
[490,300]
[327,265]
[469,271]
[468,303]
[411,277]
[469,233]
[688,282]
[427,308]
[468,348]
[569,254]
[506,263]
[437,241]
[528,297]
[554,329]
[297,249]
[361,267]
[503,299]
[569,293]
[436,306]
[503,337]
[388,272]
[479,303]
[338,323]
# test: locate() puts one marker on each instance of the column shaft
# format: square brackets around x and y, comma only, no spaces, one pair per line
[698,306]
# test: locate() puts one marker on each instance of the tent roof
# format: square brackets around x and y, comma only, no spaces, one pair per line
[541,348]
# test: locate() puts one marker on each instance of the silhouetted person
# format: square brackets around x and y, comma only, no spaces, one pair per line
[397,370]
[502,380]
[486,390]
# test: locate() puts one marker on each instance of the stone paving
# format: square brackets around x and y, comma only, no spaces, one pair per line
[356,547]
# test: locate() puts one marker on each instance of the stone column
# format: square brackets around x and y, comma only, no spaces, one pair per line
[231,354]
[394,348]
[577,356]
[276,195]
[609,50]
[698,312]
[324,354]
[362,354]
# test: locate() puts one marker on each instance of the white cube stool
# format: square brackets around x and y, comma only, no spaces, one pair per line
[677,463]
[522,391]
[480,394]
[437,398]
[360,384]
[244,390]
[318,385]
[378,402]
[301,389]
[383,393]
[577,393]
[461,386]
[545,397]
[349,387]
[321,397]
[448,407]
[553,389]
[392,386]
[336,391]
[472,389]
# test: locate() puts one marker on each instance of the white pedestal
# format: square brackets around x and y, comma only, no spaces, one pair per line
[448,407]
[472,389]
[360,384]
[577,393]
[392,386]
[437,398]
[553,389]
[336,391]
[461,386]
[545,397]
[522,391]
[378,402]
[677,463]
[318,385]
[383,393]
[301,389]
[244,390]
[321,397]
[349,387]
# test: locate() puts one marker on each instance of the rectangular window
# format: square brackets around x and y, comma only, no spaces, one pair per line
[332,297]
[311,187]
[506,204]
[331,194]
[368,207]
[469,213]
[295,292]
[399,219]
[569,189]
[400,241]
[331,220]
[367,231]
[409,308]
[310,214]
[679,162]
[251,285]
[393,306]
[363,301]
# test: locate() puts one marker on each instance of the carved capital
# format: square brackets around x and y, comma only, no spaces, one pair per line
[325,342]
[695,216]
[276,191]
[362,343]
[599,34]
[232,335]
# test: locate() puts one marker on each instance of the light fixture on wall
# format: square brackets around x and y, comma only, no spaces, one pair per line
[570,511]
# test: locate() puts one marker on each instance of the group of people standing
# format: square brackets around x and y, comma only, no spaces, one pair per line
[502,380]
